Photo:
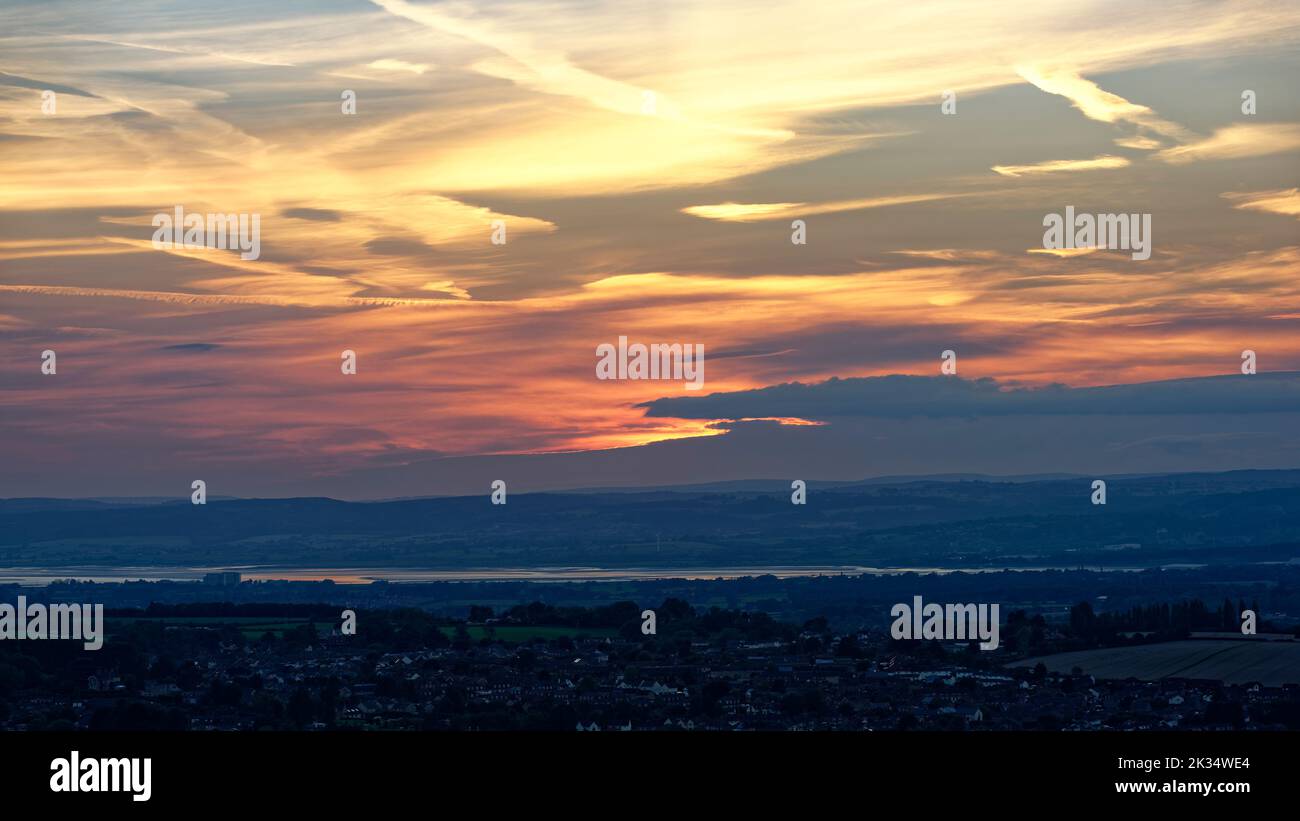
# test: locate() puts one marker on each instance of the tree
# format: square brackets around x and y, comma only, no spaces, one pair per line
[1083,622]
[301,707]
[675,610]
[848,647]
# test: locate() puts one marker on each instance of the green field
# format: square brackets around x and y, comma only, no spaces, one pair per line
[1271,663]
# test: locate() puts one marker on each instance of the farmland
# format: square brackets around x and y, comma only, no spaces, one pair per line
[1232,661]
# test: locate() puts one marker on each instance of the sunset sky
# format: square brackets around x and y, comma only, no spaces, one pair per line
[647,159]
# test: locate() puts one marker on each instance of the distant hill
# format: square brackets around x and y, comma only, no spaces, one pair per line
[1238,516]
[779,485]
[38,503]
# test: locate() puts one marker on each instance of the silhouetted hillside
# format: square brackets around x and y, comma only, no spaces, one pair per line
[1239,516]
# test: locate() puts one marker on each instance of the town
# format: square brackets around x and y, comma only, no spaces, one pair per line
[223,667]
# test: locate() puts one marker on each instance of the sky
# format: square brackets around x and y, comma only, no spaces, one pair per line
[648,161]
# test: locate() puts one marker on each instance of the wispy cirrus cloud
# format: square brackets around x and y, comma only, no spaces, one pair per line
[1285,201]
[1095,103]
[1235,142]
[1138,142]
[1104,161]
[388,64]
[1064,252]
[760,211]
